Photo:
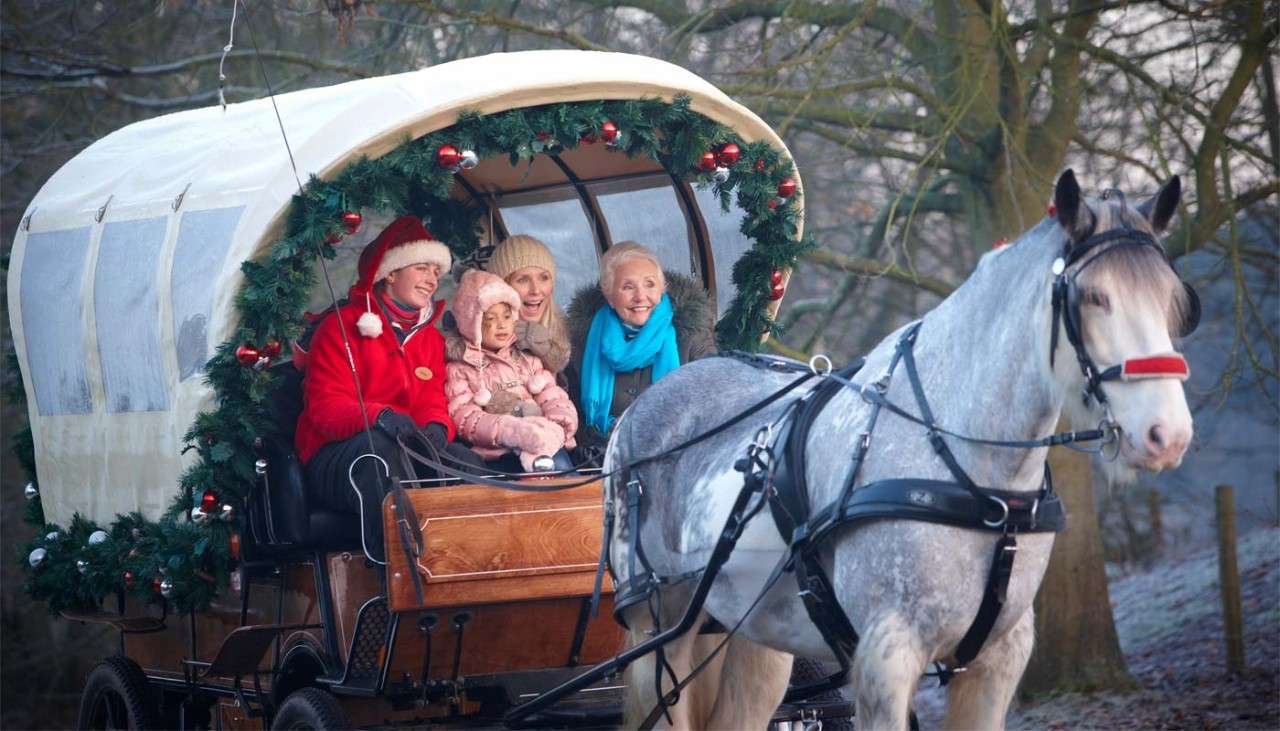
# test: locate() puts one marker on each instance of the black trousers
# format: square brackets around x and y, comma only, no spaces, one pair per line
[330,487]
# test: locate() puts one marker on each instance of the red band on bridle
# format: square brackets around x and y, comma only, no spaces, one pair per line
[1156,366]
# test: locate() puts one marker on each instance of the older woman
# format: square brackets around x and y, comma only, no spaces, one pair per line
[639,324]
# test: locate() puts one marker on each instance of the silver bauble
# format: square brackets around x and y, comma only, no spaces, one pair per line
[98,536]
[82,566]
[166,589]
[543,464]
[51,536]
[198,516]
[469,159]
[136,533]
[228,513]
[30,492]
[721,175]
[37,557]
[616,141]
[260,467]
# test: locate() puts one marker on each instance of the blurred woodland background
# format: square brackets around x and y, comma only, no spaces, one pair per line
[925,132]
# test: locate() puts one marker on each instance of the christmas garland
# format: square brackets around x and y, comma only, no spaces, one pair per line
[186,555]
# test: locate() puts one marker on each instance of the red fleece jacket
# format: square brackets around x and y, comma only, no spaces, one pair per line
[409,378]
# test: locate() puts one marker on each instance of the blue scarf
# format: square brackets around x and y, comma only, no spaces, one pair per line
[608,352]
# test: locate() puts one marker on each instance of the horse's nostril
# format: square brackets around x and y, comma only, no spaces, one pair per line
[1156,436]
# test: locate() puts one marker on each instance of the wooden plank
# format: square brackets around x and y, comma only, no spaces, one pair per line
[486,545]
[499,638]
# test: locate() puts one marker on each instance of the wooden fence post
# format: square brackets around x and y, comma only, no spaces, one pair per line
[1229,579]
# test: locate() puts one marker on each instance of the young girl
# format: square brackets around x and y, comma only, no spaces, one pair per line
[543,421]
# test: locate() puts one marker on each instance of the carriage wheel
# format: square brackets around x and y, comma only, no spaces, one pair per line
[310,709]
[116,697]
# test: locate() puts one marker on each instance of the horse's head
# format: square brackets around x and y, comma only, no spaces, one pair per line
[1117,305]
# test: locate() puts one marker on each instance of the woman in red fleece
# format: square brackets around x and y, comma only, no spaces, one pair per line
[399,360]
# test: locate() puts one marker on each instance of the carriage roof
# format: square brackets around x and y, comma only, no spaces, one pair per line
[125,266]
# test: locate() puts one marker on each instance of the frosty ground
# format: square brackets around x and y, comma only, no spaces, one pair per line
[1170,624]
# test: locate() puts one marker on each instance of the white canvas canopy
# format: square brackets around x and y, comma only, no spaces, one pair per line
[125,267]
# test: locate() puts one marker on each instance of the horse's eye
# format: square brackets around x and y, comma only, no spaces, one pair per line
[1097,298]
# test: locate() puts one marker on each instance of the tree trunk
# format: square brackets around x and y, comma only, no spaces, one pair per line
[1076,644]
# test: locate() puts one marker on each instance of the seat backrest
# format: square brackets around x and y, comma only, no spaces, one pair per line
[279,511]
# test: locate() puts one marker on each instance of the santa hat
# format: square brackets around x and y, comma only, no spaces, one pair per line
[404,242]
[478,291]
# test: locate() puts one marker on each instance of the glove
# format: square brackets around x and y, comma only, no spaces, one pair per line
[532,437]
[394,424]
[435,434]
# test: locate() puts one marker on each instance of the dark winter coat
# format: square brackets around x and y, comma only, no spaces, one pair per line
[694,321]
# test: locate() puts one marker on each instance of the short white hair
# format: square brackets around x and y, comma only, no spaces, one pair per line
[625,251]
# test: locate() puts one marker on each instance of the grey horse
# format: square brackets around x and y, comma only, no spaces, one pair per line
[910,589]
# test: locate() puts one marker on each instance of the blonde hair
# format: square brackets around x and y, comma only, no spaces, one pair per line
[622,252]
[519,251]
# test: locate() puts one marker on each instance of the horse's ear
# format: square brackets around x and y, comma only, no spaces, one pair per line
[1070,209]
[1159,208]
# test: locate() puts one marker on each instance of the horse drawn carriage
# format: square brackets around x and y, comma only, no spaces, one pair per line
[158,277]
[239,604]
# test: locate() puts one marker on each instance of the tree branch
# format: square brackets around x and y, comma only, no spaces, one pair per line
[871,267]
[109,70]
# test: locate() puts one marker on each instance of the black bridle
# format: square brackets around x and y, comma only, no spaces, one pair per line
[1066,309]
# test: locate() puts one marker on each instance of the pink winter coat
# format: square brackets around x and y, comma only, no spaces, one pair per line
[473,380]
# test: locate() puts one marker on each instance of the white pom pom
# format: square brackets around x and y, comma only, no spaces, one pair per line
[483,396]
[369,325]
[539,383]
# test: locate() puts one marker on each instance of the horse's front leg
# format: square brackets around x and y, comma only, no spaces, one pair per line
[693,709]
[752,684]
[886,670]
[980,696]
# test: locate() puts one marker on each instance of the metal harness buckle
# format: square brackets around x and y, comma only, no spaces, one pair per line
[1003,518]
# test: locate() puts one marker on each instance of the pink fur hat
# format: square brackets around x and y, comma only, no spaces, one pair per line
[478,291]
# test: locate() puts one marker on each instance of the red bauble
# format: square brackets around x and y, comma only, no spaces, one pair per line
[773,203]
[787,188]
[271,349]
[728,154]
[247,355]
[234,546]
[707,162]
[608,131]
[544,136]
[448,156]
[759,166]
[128,579]
[1001,243]
[351,221]
[1051,210]
[776,291]
[155,585]
[209,502]
[775,279]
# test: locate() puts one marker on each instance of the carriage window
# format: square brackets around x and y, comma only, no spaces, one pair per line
[650,215]
[203,240]
[128,315]
[728,243]
[563,226]
[51,299]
